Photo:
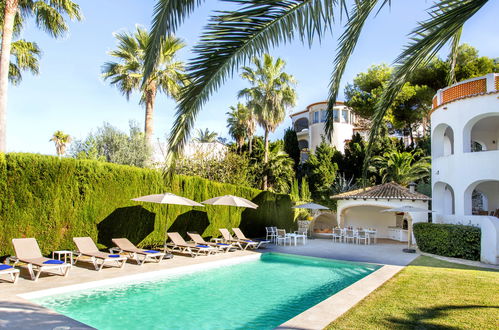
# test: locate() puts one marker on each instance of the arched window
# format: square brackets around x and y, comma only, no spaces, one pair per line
[443,198]
[442,141]
[482,198]
[301,124]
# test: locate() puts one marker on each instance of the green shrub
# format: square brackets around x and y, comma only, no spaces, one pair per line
[448,240]
[55,200]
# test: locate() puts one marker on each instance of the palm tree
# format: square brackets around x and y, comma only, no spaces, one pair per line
[127,74]
[401,167]
[233,37]
[206,136]
[49,16]
[269,97]
[235,124]
[61,140]
[25,56]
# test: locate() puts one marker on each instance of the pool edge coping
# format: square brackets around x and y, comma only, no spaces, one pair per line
[322,314]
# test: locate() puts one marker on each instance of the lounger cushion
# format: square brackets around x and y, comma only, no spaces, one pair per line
[114,256]
[5,267]
[53,262]
[151,251]
[202,246]
[223,244]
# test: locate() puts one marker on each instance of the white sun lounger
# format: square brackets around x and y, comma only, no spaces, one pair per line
[242,244]
[28,252]
[140,255]
[180,245]
[198,239]
[13,272]
[240,235]
[87,248]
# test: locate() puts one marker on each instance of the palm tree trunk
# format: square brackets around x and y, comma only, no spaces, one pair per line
[266,159]
[250,143]
[149,119]
[8,30]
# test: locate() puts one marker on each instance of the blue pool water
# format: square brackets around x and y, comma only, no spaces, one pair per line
[259,294]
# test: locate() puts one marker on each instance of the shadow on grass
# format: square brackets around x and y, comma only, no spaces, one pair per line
[421,319]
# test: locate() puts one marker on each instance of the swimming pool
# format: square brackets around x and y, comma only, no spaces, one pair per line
[257,294]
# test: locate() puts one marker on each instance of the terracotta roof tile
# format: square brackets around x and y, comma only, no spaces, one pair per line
[389,190]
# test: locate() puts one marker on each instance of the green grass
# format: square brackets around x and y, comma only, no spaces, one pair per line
[430,294]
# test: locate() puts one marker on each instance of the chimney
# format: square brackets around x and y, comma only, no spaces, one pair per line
[412,187]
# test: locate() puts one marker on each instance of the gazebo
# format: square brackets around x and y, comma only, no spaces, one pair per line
[362,208]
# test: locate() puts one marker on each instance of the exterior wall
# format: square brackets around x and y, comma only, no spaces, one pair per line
[458,109]
[343,129]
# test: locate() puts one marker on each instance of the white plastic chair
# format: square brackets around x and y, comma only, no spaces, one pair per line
[270,234]
[362,236]
[282,237]
[350,234]
[337,234]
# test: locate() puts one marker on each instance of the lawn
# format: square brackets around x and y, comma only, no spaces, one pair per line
[430,293]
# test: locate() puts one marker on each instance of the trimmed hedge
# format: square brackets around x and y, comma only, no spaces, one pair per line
[448,240]
[55,200]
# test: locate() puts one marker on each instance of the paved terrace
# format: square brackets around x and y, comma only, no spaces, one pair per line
[18,313]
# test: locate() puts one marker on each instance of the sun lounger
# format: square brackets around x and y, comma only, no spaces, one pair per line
[180,245]
[140,255]
[87,248]
[198,239]
[242,244]
[13,272]
[28,252]
[240,235]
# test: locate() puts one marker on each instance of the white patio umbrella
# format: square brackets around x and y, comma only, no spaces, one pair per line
[230,200]
[408,209]
[167,198]
[311,206]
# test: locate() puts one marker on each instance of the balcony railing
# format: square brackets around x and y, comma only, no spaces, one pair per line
[467,88]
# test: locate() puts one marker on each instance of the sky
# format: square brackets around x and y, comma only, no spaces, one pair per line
[70,95]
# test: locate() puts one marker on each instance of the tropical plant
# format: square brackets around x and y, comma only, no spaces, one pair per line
[128,73]
[291,146]
[234,36]
[236,123]
[25,56]
[205,136]
[115,146]
[49,16]
[61,141]
[401,167]
[270,94]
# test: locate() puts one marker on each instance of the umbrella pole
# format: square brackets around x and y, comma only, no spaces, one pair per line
[166,224]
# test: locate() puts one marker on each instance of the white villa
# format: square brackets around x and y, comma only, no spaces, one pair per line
[309,126]
[465,158]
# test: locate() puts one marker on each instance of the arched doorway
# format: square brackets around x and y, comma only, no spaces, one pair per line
[482,198]
[481,133]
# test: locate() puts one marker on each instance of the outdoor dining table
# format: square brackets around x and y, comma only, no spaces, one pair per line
[296,236]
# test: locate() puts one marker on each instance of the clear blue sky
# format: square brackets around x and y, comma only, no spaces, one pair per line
[69,94]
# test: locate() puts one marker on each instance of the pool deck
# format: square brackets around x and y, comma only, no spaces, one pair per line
[19,313]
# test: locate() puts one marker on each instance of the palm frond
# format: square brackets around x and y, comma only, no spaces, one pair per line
[347,42]
[447,17]
[168,15]
[456,38]
[232,38]
[26,57]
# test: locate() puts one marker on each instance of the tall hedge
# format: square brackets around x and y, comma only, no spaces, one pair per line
[55,199]
[448,240]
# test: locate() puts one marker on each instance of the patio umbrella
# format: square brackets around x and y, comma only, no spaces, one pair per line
[408,209]
[230,200]
[311,206]
[167,198]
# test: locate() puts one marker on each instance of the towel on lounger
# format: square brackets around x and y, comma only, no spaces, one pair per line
[114,256]
[151,251]
[5,267]
[53,262]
